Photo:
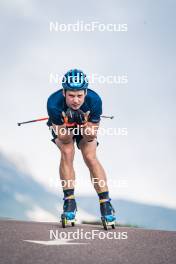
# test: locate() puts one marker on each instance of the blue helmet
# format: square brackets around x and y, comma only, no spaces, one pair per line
[75,80]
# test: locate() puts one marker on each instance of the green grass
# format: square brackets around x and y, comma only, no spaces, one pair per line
[118,224]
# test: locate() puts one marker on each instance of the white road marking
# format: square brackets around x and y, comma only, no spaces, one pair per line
[56,242]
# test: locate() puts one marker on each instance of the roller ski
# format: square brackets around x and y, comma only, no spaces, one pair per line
[69,211]
[107,214]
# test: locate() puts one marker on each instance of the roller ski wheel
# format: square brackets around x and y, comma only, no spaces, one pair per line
[107,223]
[65,221]
[107,214]
[104,223]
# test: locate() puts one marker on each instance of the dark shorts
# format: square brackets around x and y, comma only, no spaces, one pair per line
[76,138]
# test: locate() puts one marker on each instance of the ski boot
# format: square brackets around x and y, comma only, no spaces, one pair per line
[69,211]
[107,213]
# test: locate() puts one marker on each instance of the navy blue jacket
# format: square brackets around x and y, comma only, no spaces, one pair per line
[56,105]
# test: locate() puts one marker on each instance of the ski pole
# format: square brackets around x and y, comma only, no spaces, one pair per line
[110,117]
[46,118]
[32,121]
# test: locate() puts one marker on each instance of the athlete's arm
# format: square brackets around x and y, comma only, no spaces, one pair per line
[90,130]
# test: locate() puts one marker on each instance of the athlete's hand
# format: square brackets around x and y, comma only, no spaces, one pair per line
[69,118]
[81,118]
[73,118]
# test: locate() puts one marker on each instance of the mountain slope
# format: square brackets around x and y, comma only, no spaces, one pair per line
[23,198]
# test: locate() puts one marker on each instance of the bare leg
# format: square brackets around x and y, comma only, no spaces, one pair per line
[66,170]
[97,172]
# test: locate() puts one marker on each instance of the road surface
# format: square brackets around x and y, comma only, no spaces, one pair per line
[39,243]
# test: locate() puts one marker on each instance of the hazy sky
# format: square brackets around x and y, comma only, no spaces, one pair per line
[145,159]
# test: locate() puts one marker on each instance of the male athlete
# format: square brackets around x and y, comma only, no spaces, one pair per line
[77,106]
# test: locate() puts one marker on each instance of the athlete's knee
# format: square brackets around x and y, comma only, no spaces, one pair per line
[65,139]
[90,137]
[90,159]
[67,151]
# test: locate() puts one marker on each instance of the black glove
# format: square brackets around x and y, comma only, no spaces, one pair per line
[81,117]
[73,118]
[69,118]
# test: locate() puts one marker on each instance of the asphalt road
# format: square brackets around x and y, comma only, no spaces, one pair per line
[34,243]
